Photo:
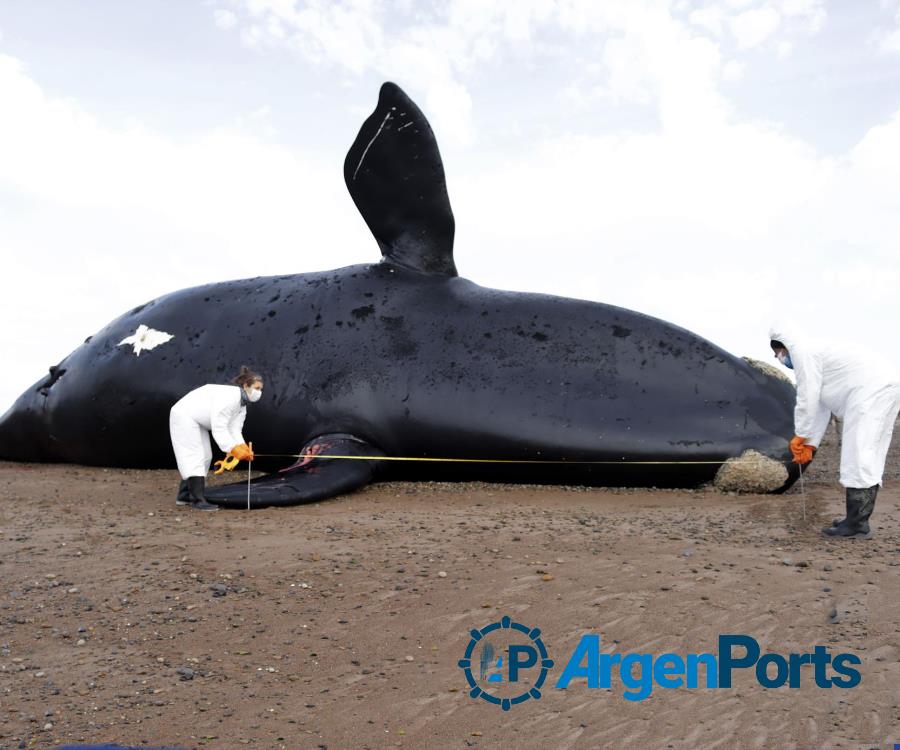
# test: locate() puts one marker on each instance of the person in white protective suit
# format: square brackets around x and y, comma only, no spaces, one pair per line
[221,410]
[858,387]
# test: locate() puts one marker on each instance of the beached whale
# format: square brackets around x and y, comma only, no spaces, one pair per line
[404,358]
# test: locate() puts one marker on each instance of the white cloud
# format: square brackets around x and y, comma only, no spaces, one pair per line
[225,19]
[752,27]
[52,149]
[888,39]
[352,36]
[710,18]
[438,50]
[811,11]
[733,70]
[890,43]
[784,49]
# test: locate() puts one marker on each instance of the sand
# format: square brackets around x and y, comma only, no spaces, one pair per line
[340,624]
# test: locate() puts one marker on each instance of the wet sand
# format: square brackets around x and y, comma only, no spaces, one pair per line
[340,624]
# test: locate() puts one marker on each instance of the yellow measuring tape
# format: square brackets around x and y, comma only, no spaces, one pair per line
[495,460]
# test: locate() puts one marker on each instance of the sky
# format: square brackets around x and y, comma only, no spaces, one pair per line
[719,165]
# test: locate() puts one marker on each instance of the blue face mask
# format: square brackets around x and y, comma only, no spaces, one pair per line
[785,359]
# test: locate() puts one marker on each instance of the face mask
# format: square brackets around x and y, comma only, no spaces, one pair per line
[254,395]
[785,359]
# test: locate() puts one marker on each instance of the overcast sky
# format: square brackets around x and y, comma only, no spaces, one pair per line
[715,164]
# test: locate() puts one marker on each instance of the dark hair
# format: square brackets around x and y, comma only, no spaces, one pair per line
[246,376]
[776,344]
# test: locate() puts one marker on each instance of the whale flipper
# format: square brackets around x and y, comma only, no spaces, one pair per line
[395,176]
[307,481]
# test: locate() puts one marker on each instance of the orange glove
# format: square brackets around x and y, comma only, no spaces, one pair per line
[242,452]
[803,453]
[226,464]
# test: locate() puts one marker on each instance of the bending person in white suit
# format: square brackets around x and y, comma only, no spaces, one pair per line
[216,409]
[857,386]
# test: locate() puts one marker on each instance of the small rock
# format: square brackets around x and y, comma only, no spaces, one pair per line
[185,673]
[442,574]
[408,658]
[219,589]
[787,561]
[48,726]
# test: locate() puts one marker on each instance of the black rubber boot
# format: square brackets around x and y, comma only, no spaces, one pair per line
[196,486]
[860,504]
[839,521]
[184,495]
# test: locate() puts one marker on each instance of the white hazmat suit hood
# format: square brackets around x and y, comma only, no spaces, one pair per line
[854,384]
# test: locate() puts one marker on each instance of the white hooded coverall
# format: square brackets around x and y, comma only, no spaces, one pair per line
[215,408]
[856,386]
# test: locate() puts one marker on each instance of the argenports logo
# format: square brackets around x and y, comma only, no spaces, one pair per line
[510,656]
[506,663]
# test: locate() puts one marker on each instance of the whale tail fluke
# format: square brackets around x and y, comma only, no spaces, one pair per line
[395,176]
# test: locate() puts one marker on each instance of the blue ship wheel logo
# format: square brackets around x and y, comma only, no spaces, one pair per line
[534,635]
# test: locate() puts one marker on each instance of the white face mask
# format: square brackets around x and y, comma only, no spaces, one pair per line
[785,359]
[254,395]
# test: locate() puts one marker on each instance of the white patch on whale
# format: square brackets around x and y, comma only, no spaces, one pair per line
[369,145]
[145,339]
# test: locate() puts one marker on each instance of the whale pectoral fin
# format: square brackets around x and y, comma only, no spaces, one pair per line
[309,479]
[395,176]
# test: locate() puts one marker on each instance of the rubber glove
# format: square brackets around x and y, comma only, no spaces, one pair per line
[242,452]
[803,453]
[226,464]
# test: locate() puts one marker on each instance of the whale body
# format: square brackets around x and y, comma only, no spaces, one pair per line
[404,358]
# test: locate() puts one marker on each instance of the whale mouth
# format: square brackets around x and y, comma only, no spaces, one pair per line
[751,472]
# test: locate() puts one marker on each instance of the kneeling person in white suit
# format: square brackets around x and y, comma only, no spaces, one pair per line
[220,409]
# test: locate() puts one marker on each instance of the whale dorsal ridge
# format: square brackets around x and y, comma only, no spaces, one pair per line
[395,176]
